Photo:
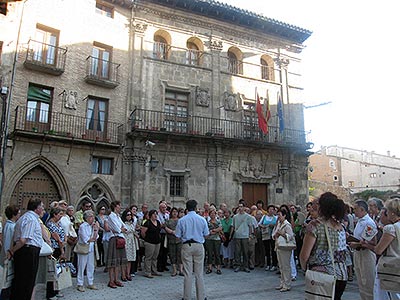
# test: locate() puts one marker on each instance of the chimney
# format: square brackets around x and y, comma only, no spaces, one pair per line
[388,153]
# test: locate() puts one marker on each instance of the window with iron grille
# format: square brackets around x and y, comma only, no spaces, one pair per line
[176,186]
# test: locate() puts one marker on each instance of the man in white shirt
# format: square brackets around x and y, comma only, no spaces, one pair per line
[27,242]
[364,259]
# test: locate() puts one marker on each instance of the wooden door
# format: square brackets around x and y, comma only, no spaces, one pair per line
[252,192]
[37,183]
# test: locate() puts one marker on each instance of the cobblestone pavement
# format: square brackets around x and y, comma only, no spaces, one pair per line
[257,285]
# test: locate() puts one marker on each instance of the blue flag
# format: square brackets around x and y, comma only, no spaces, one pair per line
[280,114]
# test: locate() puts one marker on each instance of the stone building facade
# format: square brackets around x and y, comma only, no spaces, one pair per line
[355,170]
[148,100]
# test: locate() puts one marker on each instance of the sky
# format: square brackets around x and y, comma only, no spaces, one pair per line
[350,60]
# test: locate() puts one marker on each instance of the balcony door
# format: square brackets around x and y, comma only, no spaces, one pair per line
[176,111]
[100,64]
[96,119]
[38,108]
[250,125]
[45,45]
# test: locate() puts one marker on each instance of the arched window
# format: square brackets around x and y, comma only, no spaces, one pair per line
[235,65]
[267,68]
[194,51]
[264,69]
[161,46]
[192,54]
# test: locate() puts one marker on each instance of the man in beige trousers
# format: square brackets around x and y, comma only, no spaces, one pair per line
[192,229]
[364,259]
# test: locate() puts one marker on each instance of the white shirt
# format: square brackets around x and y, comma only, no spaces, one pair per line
[65,222]
[28,227]
[85,234]
[362,224]
[115,223]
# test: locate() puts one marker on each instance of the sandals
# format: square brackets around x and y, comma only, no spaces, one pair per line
[119,283]
[208,271]
[174,274]
[219,272]
[112,285]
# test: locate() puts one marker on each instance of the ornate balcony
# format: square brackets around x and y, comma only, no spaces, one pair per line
[157,122]
[34,122]
[45,58]
[102,72]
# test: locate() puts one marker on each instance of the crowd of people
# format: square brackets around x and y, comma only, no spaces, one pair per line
[122,241]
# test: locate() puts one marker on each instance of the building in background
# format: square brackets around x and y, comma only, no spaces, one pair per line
[355,170]
[147,100]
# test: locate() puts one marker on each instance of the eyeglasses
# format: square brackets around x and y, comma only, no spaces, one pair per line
[88,206]
[128,214]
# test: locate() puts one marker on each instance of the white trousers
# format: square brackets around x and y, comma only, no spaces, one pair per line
[85,261]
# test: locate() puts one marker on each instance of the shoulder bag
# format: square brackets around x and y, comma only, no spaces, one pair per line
[81,248]
[45,250]
[321,286]
[389,271]
[283,244]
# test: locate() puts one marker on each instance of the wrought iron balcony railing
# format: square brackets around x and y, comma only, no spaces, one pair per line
[184,124]
[192,57]
[102,72]
[45,57]
[32,120]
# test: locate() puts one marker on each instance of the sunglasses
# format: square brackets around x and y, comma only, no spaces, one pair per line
[128,214]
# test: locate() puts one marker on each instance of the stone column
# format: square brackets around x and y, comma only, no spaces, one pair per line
[135,80]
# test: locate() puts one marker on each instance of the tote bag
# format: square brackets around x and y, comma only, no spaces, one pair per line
[321,286]
[389,270]
[64,279]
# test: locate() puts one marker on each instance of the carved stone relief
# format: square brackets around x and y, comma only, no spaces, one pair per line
[202,97]
[214,45]
[230,101]
[70,99]
[139,27]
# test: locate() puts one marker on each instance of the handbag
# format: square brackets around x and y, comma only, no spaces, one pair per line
[45,250]
[64,279]
[222,236]
[321,286]
[81,248]
[283,244]
[120,242]
[8,274]
[389,271]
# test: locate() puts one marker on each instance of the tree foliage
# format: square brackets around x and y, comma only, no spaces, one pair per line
[374,193]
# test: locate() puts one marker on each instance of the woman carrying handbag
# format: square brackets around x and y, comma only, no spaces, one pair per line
[283,230]
[324,248]
[389,248]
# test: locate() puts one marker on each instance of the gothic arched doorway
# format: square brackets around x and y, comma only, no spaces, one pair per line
[36,183]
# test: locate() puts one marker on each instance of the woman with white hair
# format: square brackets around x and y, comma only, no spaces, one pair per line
[88,234]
